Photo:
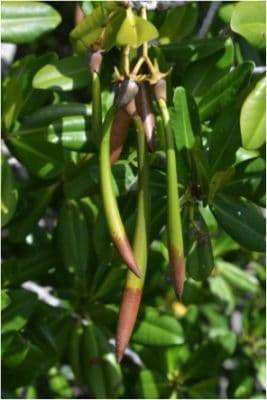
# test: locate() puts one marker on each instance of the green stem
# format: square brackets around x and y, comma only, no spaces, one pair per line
[174,226]
[110,204]
[97,108]
[133,289]
[140,242]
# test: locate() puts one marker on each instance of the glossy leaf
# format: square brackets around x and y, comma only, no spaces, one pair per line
[182,120]
[253,117]
[9,193]
[241,219]
[224,140]
[237,278]
[202,74]
[249,20]
[73,237]
[223,92]
[43,159]
[24,22]
[156,330]
[17,314]
[48,114]
[65,74]
[179,23]
[19,96]
[35,205]
[72,133]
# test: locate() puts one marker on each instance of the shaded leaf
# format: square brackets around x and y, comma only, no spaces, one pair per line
[65,74]
[241,219]
[9,193]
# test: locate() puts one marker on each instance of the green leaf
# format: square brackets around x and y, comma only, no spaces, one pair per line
[221,289]
[248,180]
[36,204]
[197,246]
[5,299]
[192,50]
[202,74]
[14,350]
[42,159]
[83,179]
[253,117]
[9,193]
[73,238]
[46,115]
[88,31]
[158,330]
[19,96]
[241,219]
[17,314]
[237,278]
[72,133]
[249,20]
[182,119]
[178,24]
[224,92]
[23,22]
[17,270]
[224,140]
[65,74]
[225,12]
[152,385]
[135,31]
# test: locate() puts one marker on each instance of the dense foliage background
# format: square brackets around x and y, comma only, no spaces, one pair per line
[60,270]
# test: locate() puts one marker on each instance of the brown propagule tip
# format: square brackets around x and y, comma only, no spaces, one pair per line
[177,271]
[128,313]
[125,250]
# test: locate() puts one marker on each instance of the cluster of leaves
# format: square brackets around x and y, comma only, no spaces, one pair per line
[55,235]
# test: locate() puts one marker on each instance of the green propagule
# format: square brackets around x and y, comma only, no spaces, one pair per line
[133,102]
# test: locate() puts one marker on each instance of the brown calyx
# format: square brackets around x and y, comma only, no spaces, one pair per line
[177,270]
[118,134]
[128,313]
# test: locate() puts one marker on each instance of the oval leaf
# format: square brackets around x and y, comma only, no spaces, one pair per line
[23,22]
[242,280]
[223,92]
[249,20]
[253,117]
[158,330]
[65,74]
[9,193]
[242,220]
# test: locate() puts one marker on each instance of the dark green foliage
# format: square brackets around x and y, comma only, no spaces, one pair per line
[55,236]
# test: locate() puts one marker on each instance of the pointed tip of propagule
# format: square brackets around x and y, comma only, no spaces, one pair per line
[128,313]
[177,271]
[126,252]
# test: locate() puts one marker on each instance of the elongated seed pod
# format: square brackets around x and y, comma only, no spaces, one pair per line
[145,110]
[119,134]
[111,209]
[174,226]
[133,290]
[93,363]
[97,108]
